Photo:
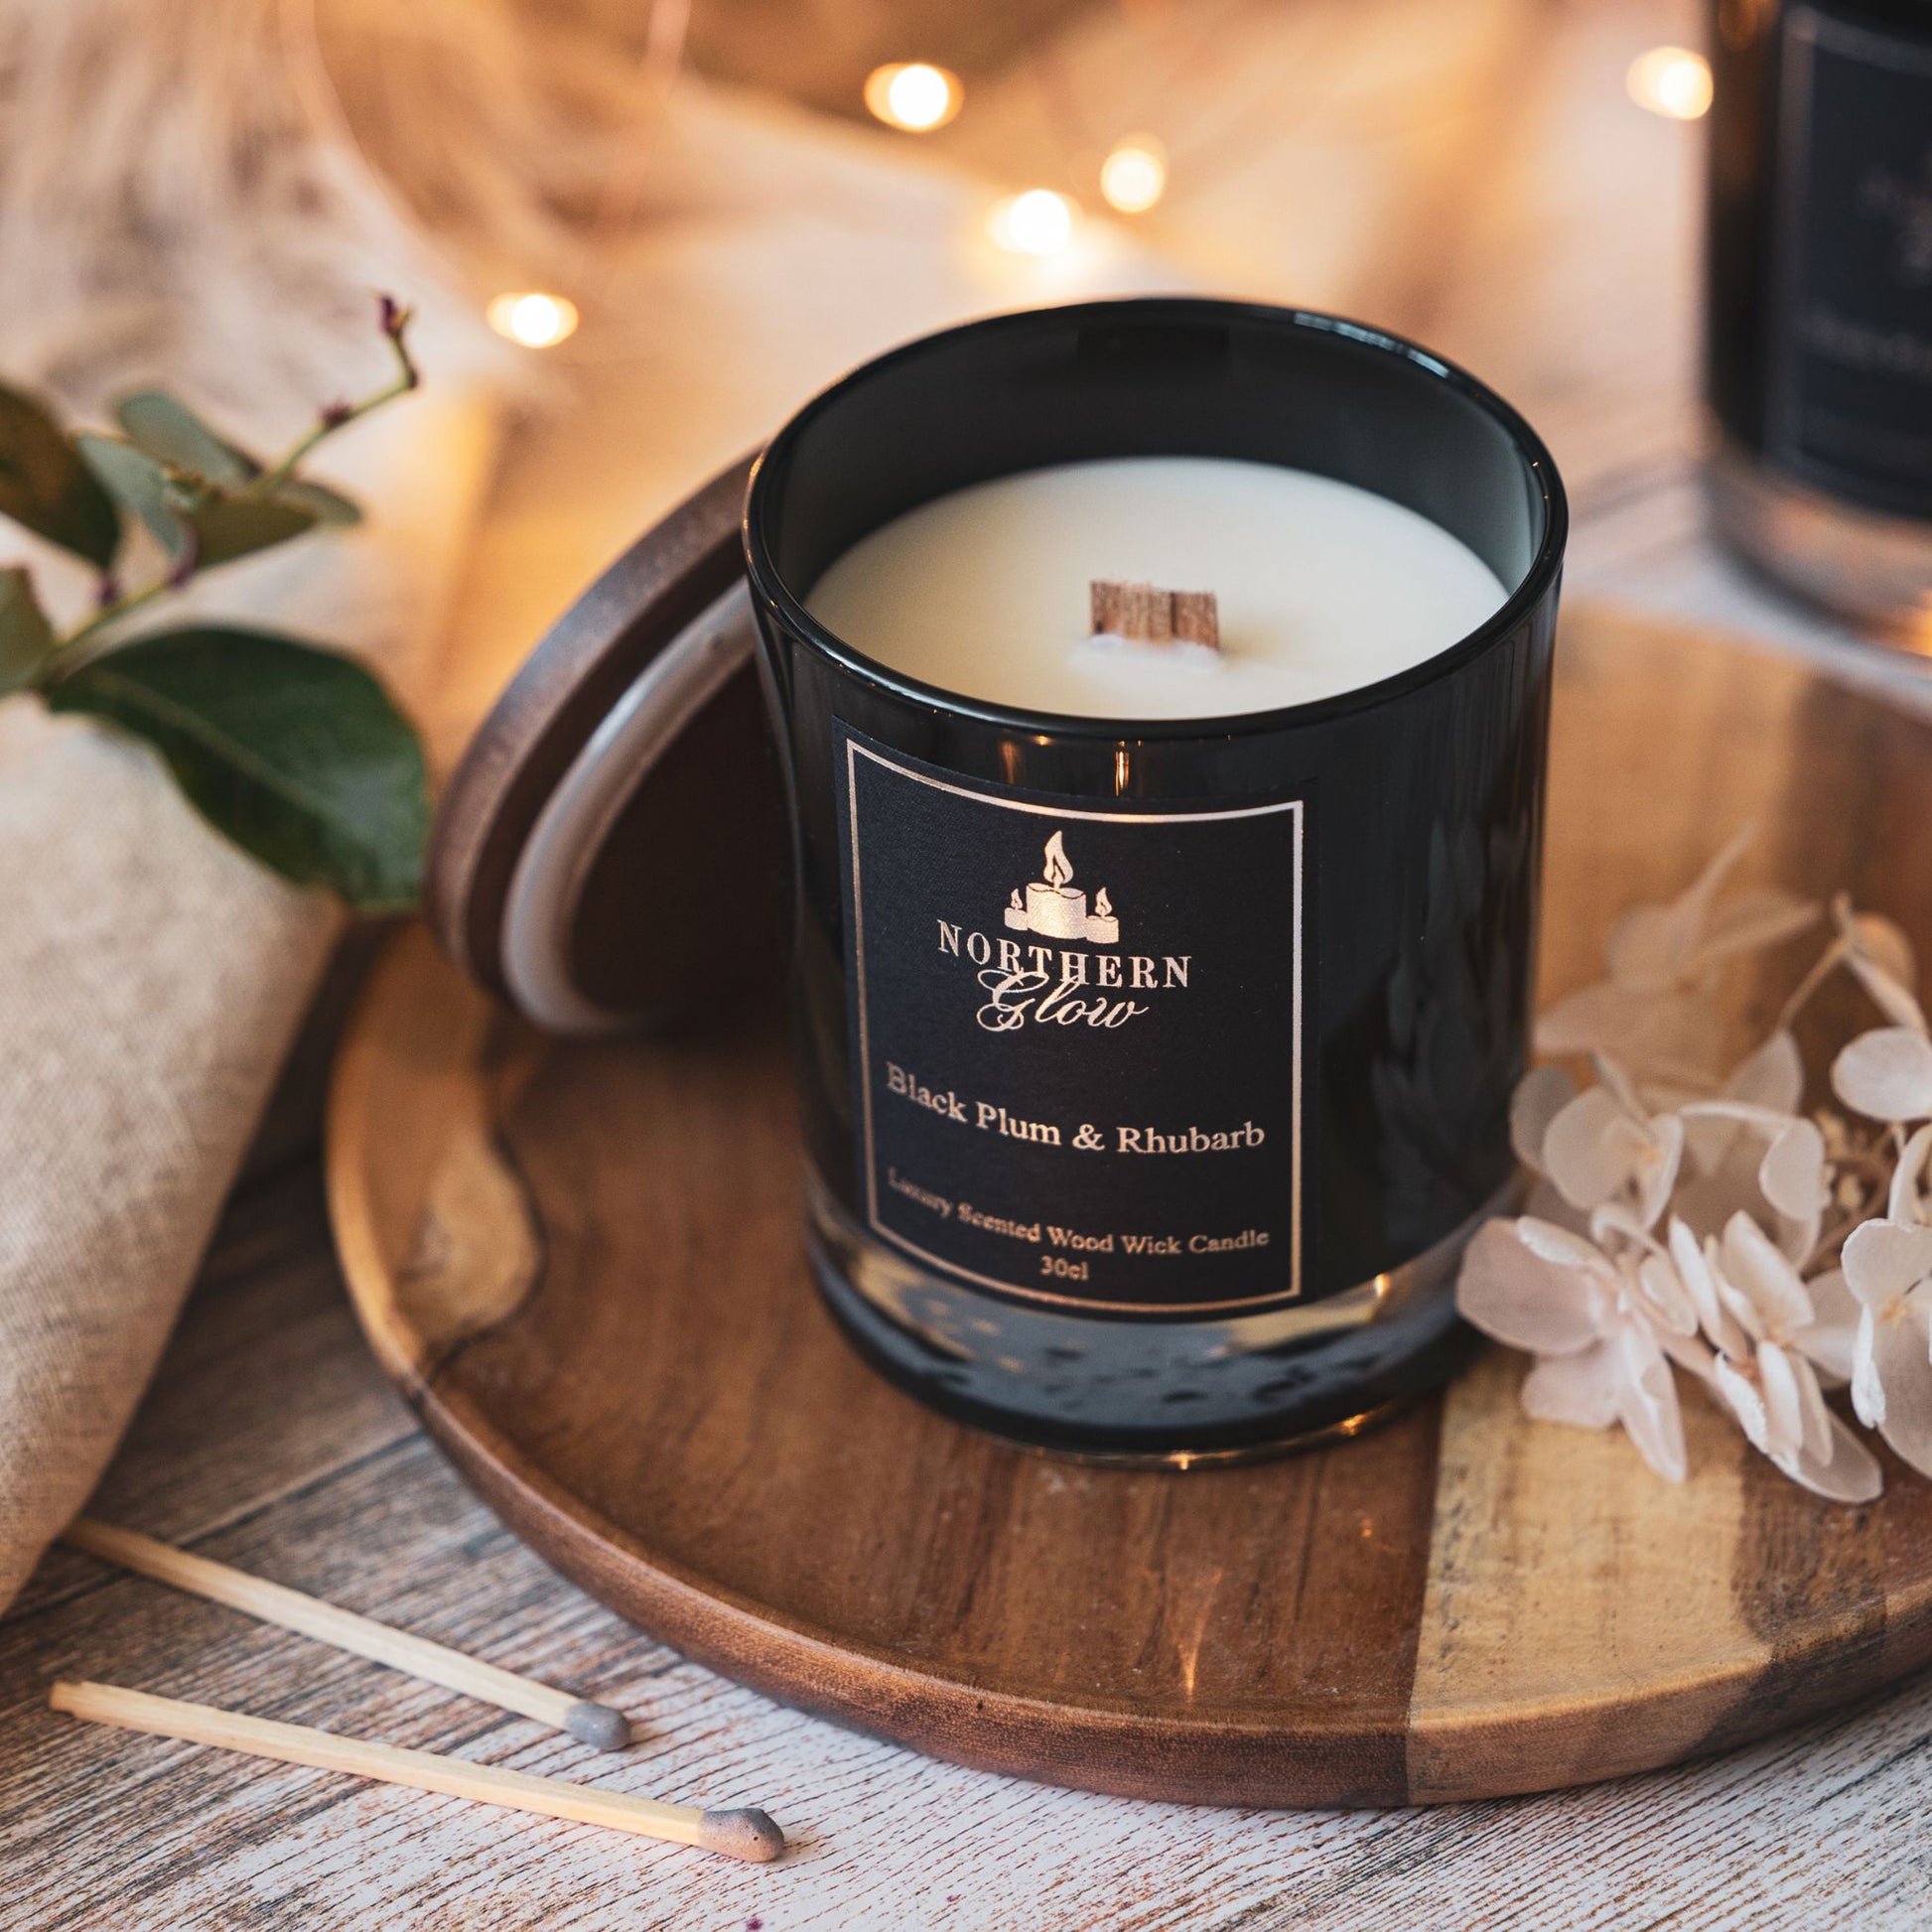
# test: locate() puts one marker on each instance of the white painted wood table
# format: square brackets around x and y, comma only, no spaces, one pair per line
[1511,208]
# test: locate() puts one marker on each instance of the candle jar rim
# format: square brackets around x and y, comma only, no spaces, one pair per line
[770,587]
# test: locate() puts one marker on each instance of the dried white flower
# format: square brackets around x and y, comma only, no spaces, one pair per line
[1888,1268]
[1686,1220]
[1793,1180]
[1596,1324]
[1655,1008]
[1604,1147]
[1771,1077]
[1886,1074]
[1904,1201]
[1767,1332]
[1880,955]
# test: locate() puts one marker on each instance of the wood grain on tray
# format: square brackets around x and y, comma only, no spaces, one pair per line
[583,1265]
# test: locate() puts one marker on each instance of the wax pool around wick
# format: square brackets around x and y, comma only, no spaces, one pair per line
[1319,588]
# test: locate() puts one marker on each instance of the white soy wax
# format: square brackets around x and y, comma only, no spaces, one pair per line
[1323,587]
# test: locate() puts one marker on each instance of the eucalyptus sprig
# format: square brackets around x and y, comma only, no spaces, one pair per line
[294,753]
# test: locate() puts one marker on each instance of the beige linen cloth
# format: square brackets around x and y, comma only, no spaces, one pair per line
[151,978]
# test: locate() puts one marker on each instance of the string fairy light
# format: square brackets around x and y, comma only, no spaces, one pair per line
[1038,222]
[1134,175]
[532,317]
[913,95]
[1672,81]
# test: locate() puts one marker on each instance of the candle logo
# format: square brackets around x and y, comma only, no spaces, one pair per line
[1064,985]
[1056,909]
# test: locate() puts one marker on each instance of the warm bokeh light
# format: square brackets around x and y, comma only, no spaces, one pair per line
[1670,80]
[913,95]
[1038,222]
[535,320]
[1134,175]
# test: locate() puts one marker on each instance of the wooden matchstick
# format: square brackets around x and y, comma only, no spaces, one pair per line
[745,1832]
[1150,615]
[593,1723]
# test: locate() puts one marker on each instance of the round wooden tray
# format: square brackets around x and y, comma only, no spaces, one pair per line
[582,1263]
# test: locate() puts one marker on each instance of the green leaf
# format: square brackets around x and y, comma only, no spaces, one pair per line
[26,636]
[328,506]
[233,526]
[294,753]
[139,485]
[45,487]
[171,433]
[175,507]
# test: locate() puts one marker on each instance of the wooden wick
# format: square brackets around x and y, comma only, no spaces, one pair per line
[742,1833]
[597,1724]
[1150,615]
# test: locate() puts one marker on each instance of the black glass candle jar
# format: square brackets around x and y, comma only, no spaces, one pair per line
[1221,1211]
[1818,352]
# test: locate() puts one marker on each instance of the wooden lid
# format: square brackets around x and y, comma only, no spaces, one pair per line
[605,851]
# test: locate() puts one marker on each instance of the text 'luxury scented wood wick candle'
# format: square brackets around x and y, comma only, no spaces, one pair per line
[1161,691]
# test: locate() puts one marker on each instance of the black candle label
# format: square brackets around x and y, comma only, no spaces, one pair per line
[1076,1038]
[1851,404]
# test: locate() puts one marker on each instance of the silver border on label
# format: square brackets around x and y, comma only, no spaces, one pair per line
[854,751]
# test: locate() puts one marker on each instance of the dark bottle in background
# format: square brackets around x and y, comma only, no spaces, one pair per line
[1818,357]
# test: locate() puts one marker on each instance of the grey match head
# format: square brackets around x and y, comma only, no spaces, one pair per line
[598,1726]
[746,1833]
